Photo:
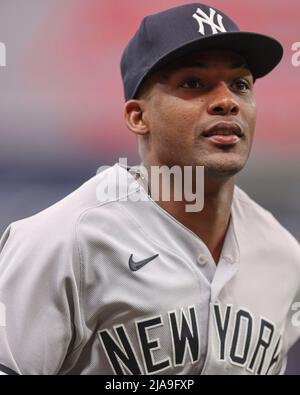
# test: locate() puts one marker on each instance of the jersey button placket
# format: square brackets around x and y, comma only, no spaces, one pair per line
[206,266]
[202,260]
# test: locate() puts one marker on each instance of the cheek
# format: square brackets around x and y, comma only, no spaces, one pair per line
[250,115]
[174,119]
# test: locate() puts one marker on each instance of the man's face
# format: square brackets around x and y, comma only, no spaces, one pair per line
[201,112]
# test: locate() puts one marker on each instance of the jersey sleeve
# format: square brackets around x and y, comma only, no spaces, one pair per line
[293,323]
[40,318]
[292,327]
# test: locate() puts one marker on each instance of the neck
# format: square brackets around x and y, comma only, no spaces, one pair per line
[210,224]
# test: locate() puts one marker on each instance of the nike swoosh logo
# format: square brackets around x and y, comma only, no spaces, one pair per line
[135,266]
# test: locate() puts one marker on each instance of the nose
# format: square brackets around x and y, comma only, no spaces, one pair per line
[223,102]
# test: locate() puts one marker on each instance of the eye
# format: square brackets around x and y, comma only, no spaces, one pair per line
[192,83]
[241,85]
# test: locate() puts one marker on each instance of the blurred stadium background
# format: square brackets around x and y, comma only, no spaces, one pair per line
[61,102]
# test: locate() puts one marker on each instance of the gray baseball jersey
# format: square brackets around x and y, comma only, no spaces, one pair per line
[120,287]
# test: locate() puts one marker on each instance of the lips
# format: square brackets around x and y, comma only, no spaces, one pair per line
[224,133]
[224,129]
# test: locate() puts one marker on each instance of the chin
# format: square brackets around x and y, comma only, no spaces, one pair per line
[224,167]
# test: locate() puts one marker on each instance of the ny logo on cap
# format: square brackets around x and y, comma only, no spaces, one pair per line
[202,18]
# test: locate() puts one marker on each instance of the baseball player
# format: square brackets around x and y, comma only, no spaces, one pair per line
[120,283]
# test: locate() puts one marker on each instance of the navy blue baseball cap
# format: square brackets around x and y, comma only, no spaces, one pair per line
[163,37]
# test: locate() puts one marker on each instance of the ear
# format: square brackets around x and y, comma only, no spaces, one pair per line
[135,118]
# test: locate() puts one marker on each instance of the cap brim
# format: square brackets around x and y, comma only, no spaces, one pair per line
[262,53]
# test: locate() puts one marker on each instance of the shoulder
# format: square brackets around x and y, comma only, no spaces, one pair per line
[95,204]
[99,197]
[263,225]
